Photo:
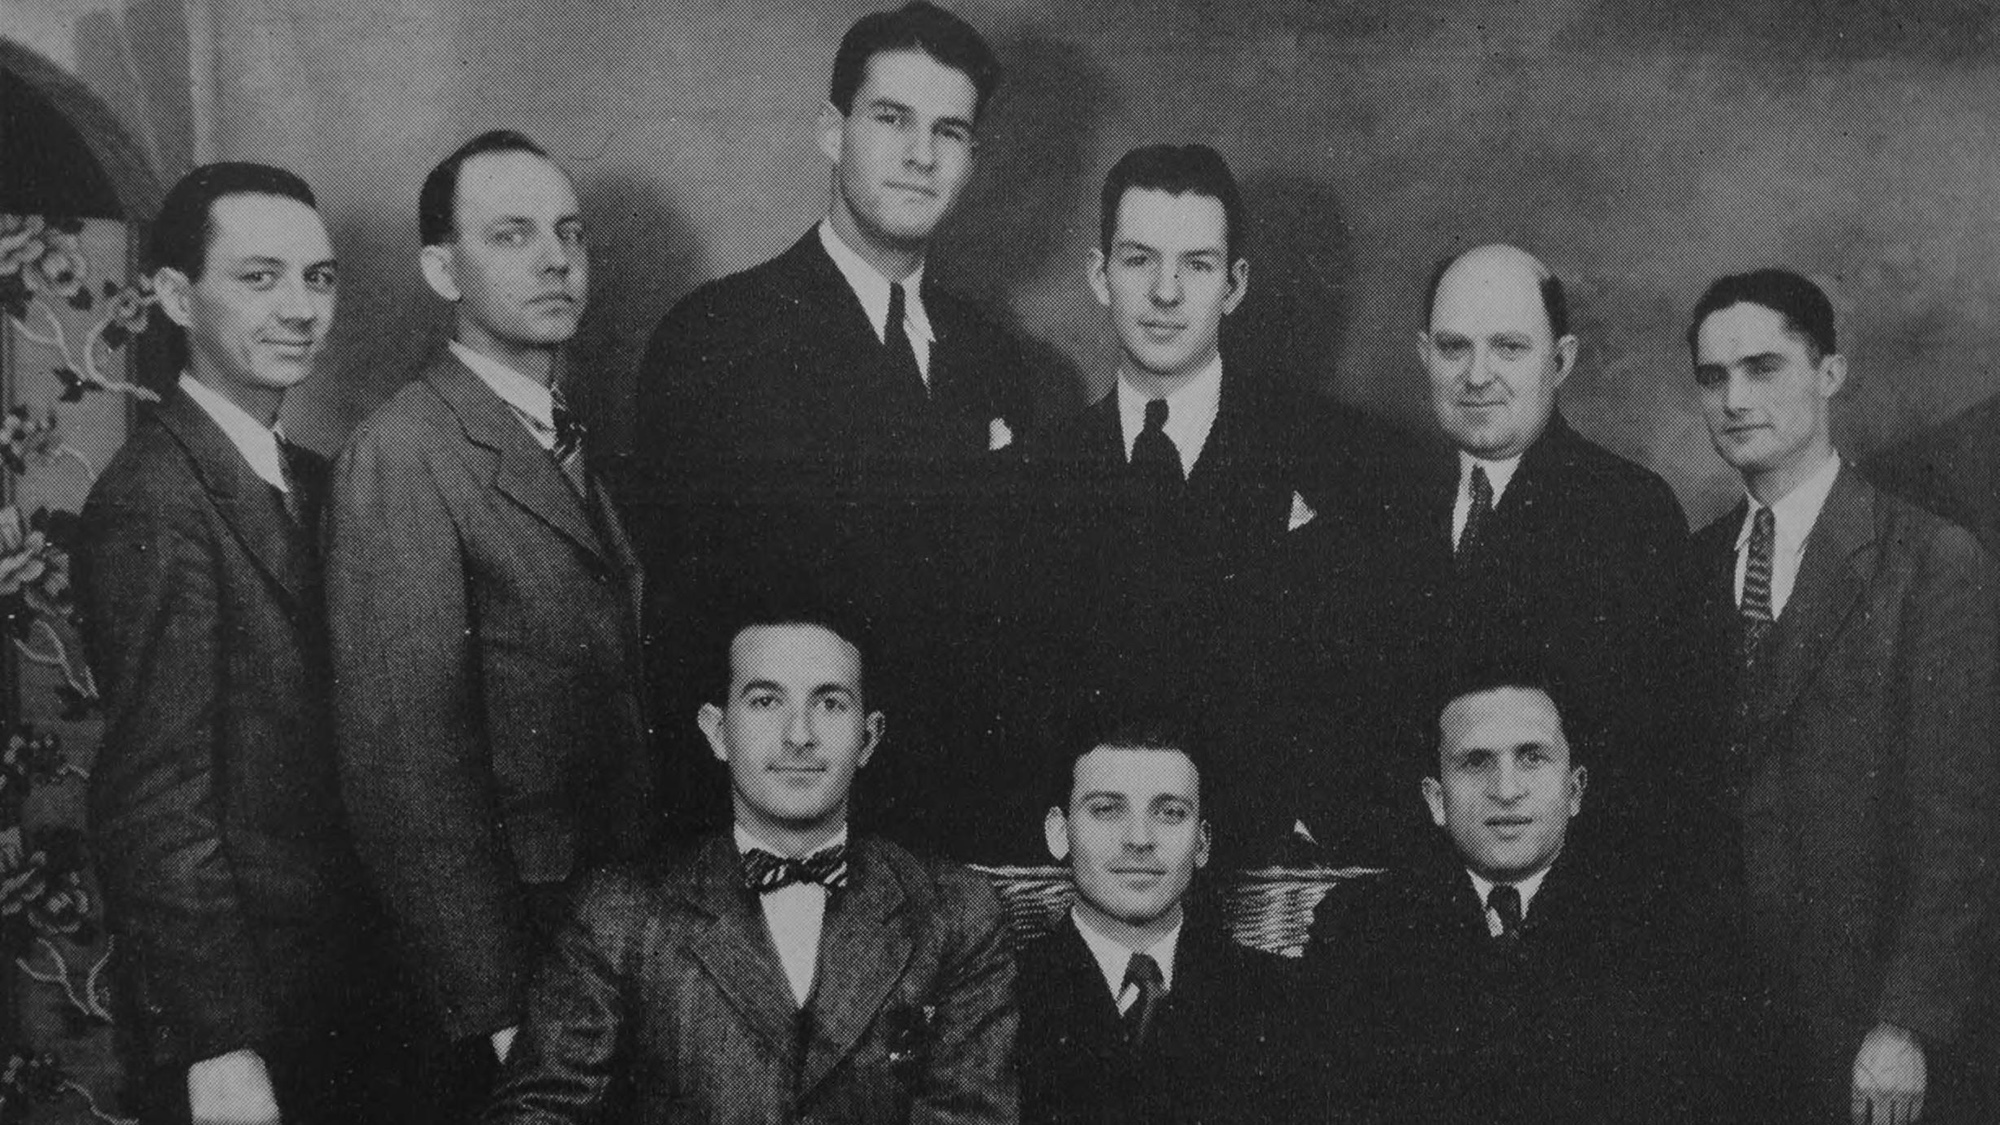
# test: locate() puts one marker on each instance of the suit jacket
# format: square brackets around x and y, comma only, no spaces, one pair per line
[666,980]
[487,654]
[1222,1048]
[1430,1018]
[776,447]
[215,813]
[1864,796]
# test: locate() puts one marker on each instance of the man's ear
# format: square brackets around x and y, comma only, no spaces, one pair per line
[1094,273]
[876,725]
[1202,845]
[1055,833]
[1577,780]
[439,270]
[1424,350]
[709,719]
[171,285]
[832,123]
[1832,375]
[1566,349]
[1434,797]
[1239,284]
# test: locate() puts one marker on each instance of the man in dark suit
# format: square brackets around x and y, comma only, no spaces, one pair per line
[1508,980]
[1864,791]
[230,881]
[1133,1009]
[836,414]
[783,971]
[484,605]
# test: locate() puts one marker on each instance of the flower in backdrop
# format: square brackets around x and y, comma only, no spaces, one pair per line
[41,890]
[125,307]
[20,242]
[60,269]
[25,438]
[31,1077]
[23,553]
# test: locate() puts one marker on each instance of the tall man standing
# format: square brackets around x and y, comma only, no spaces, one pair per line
[837,415]
[1865,789]
[485,613]
[229,877]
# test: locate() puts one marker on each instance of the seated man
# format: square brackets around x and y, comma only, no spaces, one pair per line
[781,972]
[1131,1010]
[1506,981]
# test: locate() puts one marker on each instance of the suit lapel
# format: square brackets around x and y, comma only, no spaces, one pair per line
[527,475]
[1829,585]
[861,957]
[818,282]
[249,505]
[736,948]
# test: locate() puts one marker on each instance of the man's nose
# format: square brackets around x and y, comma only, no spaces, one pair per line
[1167,286]
[798,727]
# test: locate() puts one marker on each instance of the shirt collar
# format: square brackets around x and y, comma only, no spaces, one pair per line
[1498,473]
[1796,511]
[528,398]
[873,289]
[1191,412]
[1113,957]
[1528,886]
[745,840]
[257,442]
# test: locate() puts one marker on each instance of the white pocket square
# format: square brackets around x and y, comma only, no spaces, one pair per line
[1302,513]
[998,436]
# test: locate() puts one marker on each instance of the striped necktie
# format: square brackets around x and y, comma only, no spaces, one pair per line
[568,450]
[1755,609]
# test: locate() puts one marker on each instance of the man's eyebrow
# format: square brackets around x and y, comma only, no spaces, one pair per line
[759,685]
[832,689]
[883,101]
[1121,244]
[257,260]
[1093,794]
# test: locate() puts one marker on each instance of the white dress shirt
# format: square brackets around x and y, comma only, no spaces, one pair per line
[794,915]
[1113,958]
[873,289]
[532,402]
[1498,474]
[257,442]
[1794,515]
[1190,413]
[1527,887]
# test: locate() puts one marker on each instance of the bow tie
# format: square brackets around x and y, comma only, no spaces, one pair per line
[764,872]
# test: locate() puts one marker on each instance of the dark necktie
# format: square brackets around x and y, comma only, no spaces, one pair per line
[1477,513]
[1755,608]
[289,496]
[1143,973]
[1154,456]
[764,872]
[896,343]
[1504,900]
[568,449]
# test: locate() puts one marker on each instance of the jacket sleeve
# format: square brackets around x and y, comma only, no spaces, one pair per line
[415,761]
[970,1077]
[1950,783]
[150,595]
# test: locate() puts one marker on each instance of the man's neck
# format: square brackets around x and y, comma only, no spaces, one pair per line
[1152,385]
[261,403]
[790,840]
[1135,936]
[1775,484]
[895,261]
[535,361]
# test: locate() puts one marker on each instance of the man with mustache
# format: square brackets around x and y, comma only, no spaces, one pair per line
[485,609]
[837,416]
[1137,1008]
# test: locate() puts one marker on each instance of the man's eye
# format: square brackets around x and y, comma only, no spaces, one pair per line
[1452,349]
[1709,376]
[1134,261]
[1102,810]
[261,279]
[955,134]
[835,704]
[323,280]
[1174,814]
[510,237]
[1511,349]
[761,702]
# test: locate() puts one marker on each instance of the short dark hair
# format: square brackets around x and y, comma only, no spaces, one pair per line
[753,609]
[1555,303]
[186,222]
[1477,673]
[916,26]
[1161,735]
[1802,305]
[1176,170]
[437,205]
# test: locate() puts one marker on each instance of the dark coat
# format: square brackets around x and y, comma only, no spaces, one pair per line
[1430,1018]
[1865,794]
[486,647]
[665,982]
[777,447]
[1223,1048]
[215,814]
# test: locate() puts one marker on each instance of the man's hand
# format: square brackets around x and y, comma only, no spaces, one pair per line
[503,1041]
[1888,1078]
[231,1089]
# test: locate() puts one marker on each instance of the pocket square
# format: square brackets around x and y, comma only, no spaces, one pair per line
[998,436]
[1302,513]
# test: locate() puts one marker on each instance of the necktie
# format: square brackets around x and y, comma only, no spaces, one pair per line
[1154,456]
[764,872]
[568,450]
[1476,515]
[1755,608]
[1143,973]
[1504,900]
[289,495]
[896,342]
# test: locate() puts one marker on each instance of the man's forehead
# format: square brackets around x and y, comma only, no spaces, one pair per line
[1501,719]
[514,183]
[1136,773]
[1746,328]
[253,225]
[1187,221]
[912,77]
[794,654]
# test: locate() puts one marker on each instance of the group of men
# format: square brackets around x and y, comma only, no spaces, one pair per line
[400,813]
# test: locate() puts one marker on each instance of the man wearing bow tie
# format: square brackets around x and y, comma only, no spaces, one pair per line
[485,620]
[783,971]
